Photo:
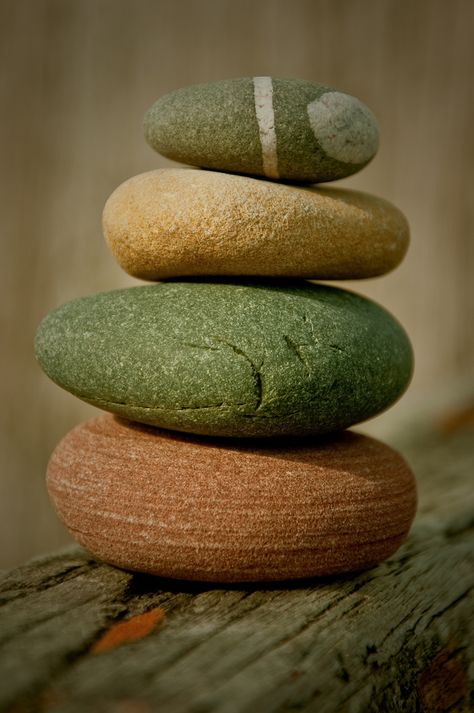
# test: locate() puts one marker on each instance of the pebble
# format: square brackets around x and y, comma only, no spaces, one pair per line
[188,508]
[287,129]
[229,358]
[184,222]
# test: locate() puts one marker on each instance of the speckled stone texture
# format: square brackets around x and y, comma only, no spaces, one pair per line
[229,358]
[178,222]
[287,129]
[183,507]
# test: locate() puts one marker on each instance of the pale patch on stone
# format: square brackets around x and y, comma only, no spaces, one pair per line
[344,127]
[263,93]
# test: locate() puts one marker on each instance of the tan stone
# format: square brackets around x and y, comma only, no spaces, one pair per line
[178,222]
[193,508]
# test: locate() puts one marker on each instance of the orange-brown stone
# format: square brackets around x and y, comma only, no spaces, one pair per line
[194,508]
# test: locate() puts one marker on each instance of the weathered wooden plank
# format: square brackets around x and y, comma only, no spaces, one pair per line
[399,637]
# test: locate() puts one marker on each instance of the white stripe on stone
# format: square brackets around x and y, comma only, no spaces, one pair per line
[263,92]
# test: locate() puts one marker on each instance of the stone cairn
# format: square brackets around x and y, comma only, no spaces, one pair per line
[233,378]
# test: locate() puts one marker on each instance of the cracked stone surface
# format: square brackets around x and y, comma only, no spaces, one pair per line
[229,358]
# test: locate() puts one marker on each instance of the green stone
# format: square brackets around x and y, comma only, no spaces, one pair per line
[287,129]
[229,358]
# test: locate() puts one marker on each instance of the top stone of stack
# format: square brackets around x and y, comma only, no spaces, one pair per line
[281,129]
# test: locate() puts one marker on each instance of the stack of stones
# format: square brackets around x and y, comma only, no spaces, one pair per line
[232,380]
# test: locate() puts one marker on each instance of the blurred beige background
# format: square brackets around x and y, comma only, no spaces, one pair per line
[75,79]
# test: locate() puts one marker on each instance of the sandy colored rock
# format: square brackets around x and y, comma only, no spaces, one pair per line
[278,128]
[179,222]
[229,358]
[183,507]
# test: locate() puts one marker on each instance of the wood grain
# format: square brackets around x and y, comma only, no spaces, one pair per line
[397,638]
[76,78]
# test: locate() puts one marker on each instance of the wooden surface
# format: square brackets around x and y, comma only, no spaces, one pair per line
[76,77]
[397,638]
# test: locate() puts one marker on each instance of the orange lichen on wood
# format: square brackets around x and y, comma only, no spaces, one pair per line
[457,420]
[137,627]
[443,685]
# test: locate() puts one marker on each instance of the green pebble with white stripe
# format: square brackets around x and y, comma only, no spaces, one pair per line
[281,129]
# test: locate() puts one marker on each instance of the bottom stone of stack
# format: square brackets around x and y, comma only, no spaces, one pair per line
[222,510]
